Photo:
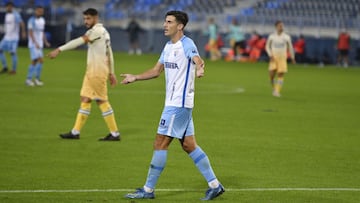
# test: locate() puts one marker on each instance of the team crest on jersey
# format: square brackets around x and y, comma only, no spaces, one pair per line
[176,53]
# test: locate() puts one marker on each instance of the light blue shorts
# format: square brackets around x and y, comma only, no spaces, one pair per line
[176,122]
[36,53]
[9,46]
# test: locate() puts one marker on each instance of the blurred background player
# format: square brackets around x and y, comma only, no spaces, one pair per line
[37,39]
[277,47]
[343,47]
[299,48]
[13,23]
[181,62]
[213,45]
[133,29]
[237,39]
[100,68]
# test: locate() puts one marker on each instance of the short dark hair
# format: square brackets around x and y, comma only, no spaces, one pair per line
[278,22]
[9,3]
[91,12]
[180,16]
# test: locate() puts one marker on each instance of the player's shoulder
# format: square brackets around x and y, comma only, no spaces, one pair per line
[272,35]
[187,41]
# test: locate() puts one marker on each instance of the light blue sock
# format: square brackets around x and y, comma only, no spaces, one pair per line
[2,59]
[157,166]
[14,60]
[38,70]
[203,164]
[31,71]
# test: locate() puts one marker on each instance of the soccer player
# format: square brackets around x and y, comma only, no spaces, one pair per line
[13,23]
[343,47]
[37,39]
[100,68]
[215,53]
[277,47]
[181,62]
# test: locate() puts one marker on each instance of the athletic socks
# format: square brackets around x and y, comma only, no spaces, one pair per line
[31,72]
[108,114]
[2,59]
[203,164]
[38,70]
[278,85]
[156,167]
[81,117]
[14,61]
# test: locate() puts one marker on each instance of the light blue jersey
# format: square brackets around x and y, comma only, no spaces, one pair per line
[176,119]
[37,26]
[179,72]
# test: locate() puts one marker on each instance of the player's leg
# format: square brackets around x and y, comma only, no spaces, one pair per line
[82,115]
[13,54]
[109,117]
[3,45]
[31,69]
[157,165]
[272,74]
[346,58]
[278,84]
[202,163]
[38,67]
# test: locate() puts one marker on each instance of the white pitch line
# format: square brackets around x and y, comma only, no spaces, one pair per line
[184,190]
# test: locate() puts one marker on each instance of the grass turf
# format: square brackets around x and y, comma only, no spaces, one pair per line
[308,138]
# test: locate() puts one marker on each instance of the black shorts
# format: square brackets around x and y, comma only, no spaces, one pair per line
[344,52]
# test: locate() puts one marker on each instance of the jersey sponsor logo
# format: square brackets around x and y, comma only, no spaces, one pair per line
[170,65]
[279,45]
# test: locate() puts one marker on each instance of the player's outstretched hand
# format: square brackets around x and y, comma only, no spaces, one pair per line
[53,53]
[113,80]
[200,71]
[128,78]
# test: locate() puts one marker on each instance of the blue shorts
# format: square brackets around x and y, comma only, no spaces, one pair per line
[9,46]
[176,122]
[36,53]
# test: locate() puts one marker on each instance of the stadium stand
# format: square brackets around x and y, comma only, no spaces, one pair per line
[319,21]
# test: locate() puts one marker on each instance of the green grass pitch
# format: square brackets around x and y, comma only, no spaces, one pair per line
[304,145]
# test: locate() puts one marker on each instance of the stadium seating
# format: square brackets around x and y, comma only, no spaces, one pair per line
[305,13]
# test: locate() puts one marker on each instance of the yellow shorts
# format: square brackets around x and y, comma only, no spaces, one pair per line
[279,64]
[94,87]
[212,44]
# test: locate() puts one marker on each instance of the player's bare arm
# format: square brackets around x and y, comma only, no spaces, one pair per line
[291,51]
[23,30]
[149,74]
[200,66]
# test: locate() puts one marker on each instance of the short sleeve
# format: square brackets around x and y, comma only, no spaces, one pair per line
[30,24]
[18,18]
[190,48]
[161,59]
[93,34]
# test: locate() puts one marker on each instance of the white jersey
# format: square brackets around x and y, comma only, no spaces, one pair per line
[99,55]
[179,72]
[37,25]
[278,45]
[12,25]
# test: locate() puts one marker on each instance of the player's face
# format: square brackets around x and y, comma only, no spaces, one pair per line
[171,27]
[280,27]
[39,12]
[89,21]
[9,8]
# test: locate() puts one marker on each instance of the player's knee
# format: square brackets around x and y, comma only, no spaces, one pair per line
[188,147]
